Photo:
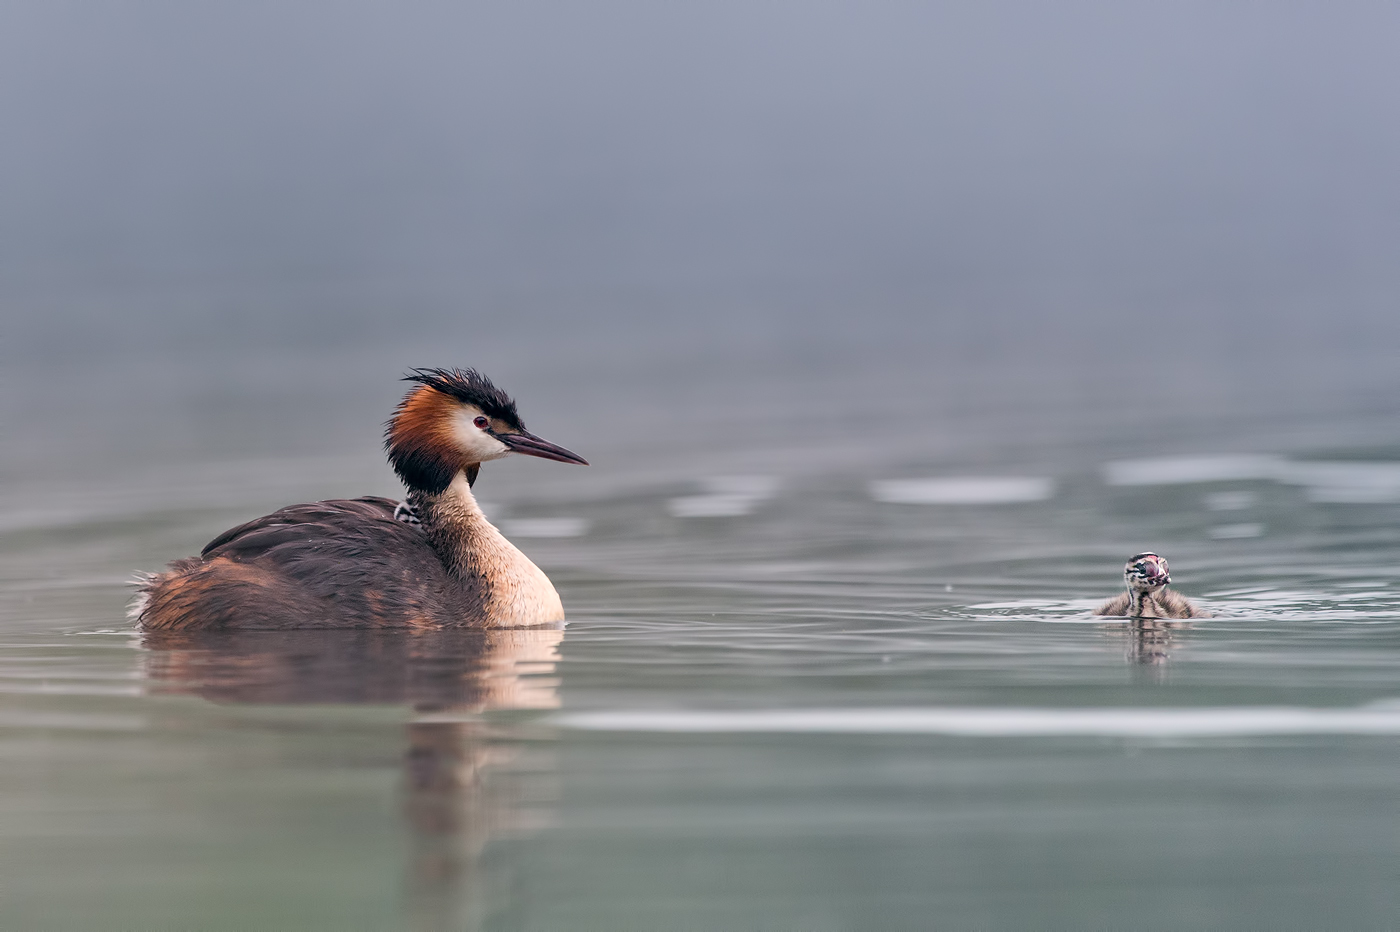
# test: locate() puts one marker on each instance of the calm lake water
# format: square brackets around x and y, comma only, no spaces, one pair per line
[813,679]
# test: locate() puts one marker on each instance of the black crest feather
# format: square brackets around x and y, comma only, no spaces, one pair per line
[471,387]
[423,464]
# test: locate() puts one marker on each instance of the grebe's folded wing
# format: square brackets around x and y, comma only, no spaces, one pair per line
[298,521]
[337,564]
[350,551]
[333,545]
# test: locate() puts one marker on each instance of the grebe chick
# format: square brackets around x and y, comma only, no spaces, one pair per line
[433,561]
[1148,596]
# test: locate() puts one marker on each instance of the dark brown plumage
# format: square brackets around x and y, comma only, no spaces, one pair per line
[354,563]
[333,564]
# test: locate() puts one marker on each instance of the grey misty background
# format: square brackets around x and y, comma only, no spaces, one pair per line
[225,229]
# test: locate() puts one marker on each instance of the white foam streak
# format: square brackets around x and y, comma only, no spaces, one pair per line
[545,527]
[726,496]
[1172,470]
[1336,482]
[1231,501]
[968,490]
[1378,719]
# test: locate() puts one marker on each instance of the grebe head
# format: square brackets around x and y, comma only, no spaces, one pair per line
[1147,572]
[453,421]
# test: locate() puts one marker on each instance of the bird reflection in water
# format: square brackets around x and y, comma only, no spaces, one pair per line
[1148,642]
[465,783]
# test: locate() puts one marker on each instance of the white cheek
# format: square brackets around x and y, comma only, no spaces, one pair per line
[475,442]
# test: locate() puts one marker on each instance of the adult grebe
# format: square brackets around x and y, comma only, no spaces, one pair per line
[433,560]
[1148,596]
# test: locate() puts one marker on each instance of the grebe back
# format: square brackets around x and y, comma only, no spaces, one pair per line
[433,560]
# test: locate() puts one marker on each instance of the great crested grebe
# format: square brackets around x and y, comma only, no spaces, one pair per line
[432,561]
[1148,596]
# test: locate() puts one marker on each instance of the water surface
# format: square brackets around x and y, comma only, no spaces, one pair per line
[859,689]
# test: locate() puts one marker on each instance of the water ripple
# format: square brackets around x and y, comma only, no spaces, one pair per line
[1381,718]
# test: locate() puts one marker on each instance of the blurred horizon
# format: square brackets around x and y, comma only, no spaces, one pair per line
[721,213]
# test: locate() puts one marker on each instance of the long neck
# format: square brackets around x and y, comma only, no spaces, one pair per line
[454,522]
[507,588]
[1140,602]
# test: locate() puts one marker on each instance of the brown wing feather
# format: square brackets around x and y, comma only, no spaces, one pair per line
[369,507]
[342,564]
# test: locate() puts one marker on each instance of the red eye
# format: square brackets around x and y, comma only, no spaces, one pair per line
[482,422]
